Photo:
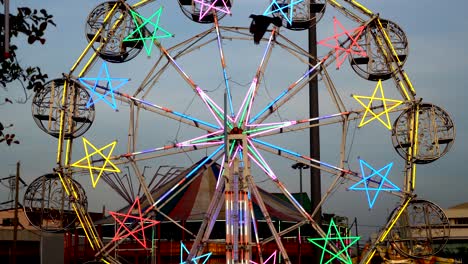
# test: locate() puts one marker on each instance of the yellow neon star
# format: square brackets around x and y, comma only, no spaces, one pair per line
[100,170]
[386,108]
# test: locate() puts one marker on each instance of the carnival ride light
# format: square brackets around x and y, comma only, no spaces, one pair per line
[363,185]
[89,163]
[141,29]
[353,48]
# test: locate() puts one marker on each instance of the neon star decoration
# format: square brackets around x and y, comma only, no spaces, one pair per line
[376,176]
[105,82]
[207,6]
[203,257]
[87,162]
[141,33]
[272,257]
[385,103]
[342,243]
[334,42]
[287,11]
[143,223]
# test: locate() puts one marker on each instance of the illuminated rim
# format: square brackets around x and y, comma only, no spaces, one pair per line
[436,133]
[114,49]
[43,206]
[196,10]
[374,66]
[47,105]
[296,14]
[423,230]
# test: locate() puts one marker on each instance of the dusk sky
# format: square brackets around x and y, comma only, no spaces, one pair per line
[437,65]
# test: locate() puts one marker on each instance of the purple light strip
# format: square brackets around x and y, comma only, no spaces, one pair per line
[167,110]
[223,65]
[285,124]
[273,177]
[189,80]
[205,99]
[291,123]
[257,75]
[180,145]
[298,205]
[286,91]
[188,175]
[280,149]
[220,174]
[267,169]
[251,88]
[234,155]
[203,144]
[187,142]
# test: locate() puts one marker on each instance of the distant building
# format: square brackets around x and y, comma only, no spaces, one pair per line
[458,217]
[28,237]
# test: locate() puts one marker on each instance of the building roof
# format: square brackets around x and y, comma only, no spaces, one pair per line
[460,206]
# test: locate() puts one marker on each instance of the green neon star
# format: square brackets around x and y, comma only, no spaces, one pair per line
[343,246]
[144,33]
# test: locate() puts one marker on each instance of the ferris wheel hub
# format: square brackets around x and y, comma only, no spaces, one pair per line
[236,131]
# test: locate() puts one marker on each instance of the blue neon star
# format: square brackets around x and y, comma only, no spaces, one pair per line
[275,7]
[104,83]
[194,260]
[366,179]
[141,22]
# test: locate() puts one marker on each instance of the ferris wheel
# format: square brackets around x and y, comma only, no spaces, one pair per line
[243,124]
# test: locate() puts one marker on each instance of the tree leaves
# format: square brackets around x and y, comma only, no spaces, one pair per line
[33,24]
[7,138]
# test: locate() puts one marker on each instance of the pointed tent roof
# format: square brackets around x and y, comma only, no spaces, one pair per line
[191,197]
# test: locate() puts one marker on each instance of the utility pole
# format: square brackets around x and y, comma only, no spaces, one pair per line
[314,133]
[15,221]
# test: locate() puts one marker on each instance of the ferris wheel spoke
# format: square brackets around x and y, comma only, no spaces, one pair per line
[168,150]
[301,158]
[198,143]
[161,110]
[215,110]
[189,175]
[223,65]
[207,139]
[243,115]
[284,93]
[256,157]
[268,129]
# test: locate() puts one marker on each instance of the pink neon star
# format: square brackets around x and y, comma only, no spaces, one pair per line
[354,48]
[143,223]
[212,5]
[272,257]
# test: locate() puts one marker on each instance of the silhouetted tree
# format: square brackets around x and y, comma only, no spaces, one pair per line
[32,24]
